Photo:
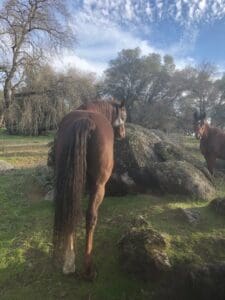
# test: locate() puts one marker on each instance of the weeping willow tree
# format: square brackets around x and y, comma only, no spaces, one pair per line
[46,97]
[34,114]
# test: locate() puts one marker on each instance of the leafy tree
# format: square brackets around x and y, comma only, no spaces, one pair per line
[46,97]
[28,29]
[145,82]
[123,77]
[218,109]
[199,92]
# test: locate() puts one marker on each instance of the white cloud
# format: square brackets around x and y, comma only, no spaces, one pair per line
[184,11]
[148,9]
[129,10]
[69,59]
[98,43]
[183,62]
[99,24]
[202,5]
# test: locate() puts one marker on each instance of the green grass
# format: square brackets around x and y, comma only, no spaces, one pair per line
[24,151]
[26,270]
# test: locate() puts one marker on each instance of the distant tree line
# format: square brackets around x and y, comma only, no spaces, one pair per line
[35,97]
[159,95]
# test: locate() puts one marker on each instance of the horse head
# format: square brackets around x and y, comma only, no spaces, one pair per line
[113,110]
[119,119]
[200,124]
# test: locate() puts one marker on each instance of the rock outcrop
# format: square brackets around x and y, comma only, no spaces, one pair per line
[147,160]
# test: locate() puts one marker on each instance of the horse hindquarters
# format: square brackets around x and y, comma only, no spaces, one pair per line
[100,164]
[70,181]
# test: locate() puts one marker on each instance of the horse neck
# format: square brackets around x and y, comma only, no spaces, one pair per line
[103,108]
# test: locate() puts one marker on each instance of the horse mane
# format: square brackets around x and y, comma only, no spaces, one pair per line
[105,107]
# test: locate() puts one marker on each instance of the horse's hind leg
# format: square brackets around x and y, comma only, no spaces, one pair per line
[96,197]
[211,160]
[69,255]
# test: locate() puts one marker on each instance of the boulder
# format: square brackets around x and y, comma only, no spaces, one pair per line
[5,166]
[146,160]
[195,282]
[45,177]
[208,282]
[218,205]
[142,252]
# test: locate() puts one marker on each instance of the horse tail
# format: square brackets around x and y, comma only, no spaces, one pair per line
[70,183]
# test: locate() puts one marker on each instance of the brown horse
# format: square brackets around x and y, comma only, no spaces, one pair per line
[212,140]
[83,153]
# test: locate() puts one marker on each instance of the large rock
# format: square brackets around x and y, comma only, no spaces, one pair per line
[142,253]
[204,282]
[5,166]
[218,205]
[147,160]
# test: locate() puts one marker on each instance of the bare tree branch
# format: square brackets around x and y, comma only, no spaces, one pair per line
[27,28]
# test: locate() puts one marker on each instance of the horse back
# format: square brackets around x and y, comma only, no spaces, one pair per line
[214,143]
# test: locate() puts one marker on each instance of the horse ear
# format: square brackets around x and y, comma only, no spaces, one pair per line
[122,103]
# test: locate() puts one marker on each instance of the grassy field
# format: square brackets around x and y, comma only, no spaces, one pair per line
[26,270]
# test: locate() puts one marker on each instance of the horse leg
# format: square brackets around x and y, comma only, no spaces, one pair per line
[69,255]
[210,160]
[96,197]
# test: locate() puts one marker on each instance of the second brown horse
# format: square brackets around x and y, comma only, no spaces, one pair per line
[212,140]
[83,152]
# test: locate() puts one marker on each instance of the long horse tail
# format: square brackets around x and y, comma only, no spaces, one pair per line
[70,184]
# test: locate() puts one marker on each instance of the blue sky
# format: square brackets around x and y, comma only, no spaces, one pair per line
[192,31]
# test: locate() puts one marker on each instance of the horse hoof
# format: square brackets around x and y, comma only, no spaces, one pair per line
[69,269]
[90,275]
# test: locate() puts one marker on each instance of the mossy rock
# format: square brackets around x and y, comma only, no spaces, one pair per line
[152,162]
[218,205]
[45,177]
[180,177]
[196,282]
[142,253]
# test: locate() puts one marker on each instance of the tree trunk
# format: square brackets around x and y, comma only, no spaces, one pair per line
[7,102]
[7,94]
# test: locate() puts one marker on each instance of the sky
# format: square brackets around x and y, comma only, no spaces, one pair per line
[192,31]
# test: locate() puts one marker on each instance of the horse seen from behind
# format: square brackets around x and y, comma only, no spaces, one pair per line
[83,157]
[212,140]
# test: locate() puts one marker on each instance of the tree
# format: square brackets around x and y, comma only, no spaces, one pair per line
[145,82]
[78,87]
[46,97]
[199,92]
[218,109]
[28,29]
[123,77]
[1,108]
